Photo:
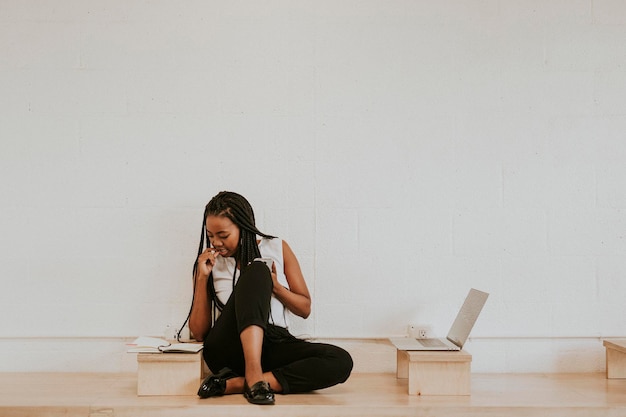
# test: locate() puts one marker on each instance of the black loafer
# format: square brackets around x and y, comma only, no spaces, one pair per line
[215,385]
[260,393]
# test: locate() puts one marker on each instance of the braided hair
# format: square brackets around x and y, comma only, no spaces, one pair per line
[239,211]
[236,208]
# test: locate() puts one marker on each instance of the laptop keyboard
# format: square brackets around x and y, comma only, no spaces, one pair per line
[431,342]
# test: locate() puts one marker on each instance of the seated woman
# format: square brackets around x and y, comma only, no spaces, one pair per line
[239,311]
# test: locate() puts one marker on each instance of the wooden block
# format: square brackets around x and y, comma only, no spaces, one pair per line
[615,358]
[169,373]
[436,373]
[402,367]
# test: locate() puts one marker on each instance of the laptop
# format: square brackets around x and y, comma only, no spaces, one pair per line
[459,332]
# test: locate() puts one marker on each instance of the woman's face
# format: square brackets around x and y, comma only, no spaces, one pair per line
[223,235]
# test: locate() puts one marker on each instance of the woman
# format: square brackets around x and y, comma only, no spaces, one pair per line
[239,311]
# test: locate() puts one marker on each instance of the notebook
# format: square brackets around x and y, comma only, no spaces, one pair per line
[459,332]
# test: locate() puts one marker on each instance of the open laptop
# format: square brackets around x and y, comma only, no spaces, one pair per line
[459,332]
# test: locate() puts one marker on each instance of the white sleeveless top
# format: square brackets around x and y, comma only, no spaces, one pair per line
[224,269]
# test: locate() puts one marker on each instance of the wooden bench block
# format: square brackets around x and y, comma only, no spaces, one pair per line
[615,358]
[169,373]
[435,373]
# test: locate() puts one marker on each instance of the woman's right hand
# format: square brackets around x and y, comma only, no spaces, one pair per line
[206,261]
[200,315]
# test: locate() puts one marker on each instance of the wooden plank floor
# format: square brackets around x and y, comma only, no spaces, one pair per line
[114,395]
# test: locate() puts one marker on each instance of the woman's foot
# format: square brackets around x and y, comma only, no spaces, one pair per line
[261,393]
[215,385]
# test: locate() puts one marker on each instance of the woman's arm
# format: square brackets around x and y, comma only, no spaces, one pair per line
[200,317]
[296,298]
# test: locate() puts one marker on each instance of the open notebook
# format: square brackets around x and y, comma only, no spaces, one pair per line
[146,344]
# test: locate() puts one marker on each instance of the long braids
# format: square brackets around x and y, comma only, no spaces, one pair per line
[235,207]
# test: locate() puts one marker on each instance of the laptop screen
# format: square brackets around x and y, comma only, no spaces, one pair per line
[465,319]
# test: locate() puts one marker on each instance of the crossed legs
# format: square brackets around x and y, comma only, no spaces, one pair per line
[239,332]
[243,341]
[252,343]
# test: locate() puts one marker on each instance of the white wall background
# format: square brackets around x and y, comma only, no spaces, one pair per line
[407,150]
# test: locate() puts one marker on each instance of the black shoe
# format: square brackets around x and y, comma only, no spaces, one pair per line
[260,393]
[215,385]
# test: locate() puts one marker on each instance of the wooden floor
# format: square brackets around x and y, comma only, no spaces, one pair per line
[114,395]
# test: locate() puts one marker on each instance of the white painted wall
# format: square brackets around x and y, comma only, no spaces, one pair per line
[407,150]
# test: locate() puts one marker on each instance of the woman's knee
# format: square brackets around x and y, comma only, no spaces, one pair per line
[340,362]
[345,363]
[258,268]
[256,274]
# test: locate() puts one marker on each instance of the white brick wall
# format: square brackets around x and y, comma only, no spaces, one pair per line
[406,150]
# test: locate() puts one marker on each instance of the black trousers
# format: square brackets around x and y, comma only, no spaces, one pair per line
[299,365]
